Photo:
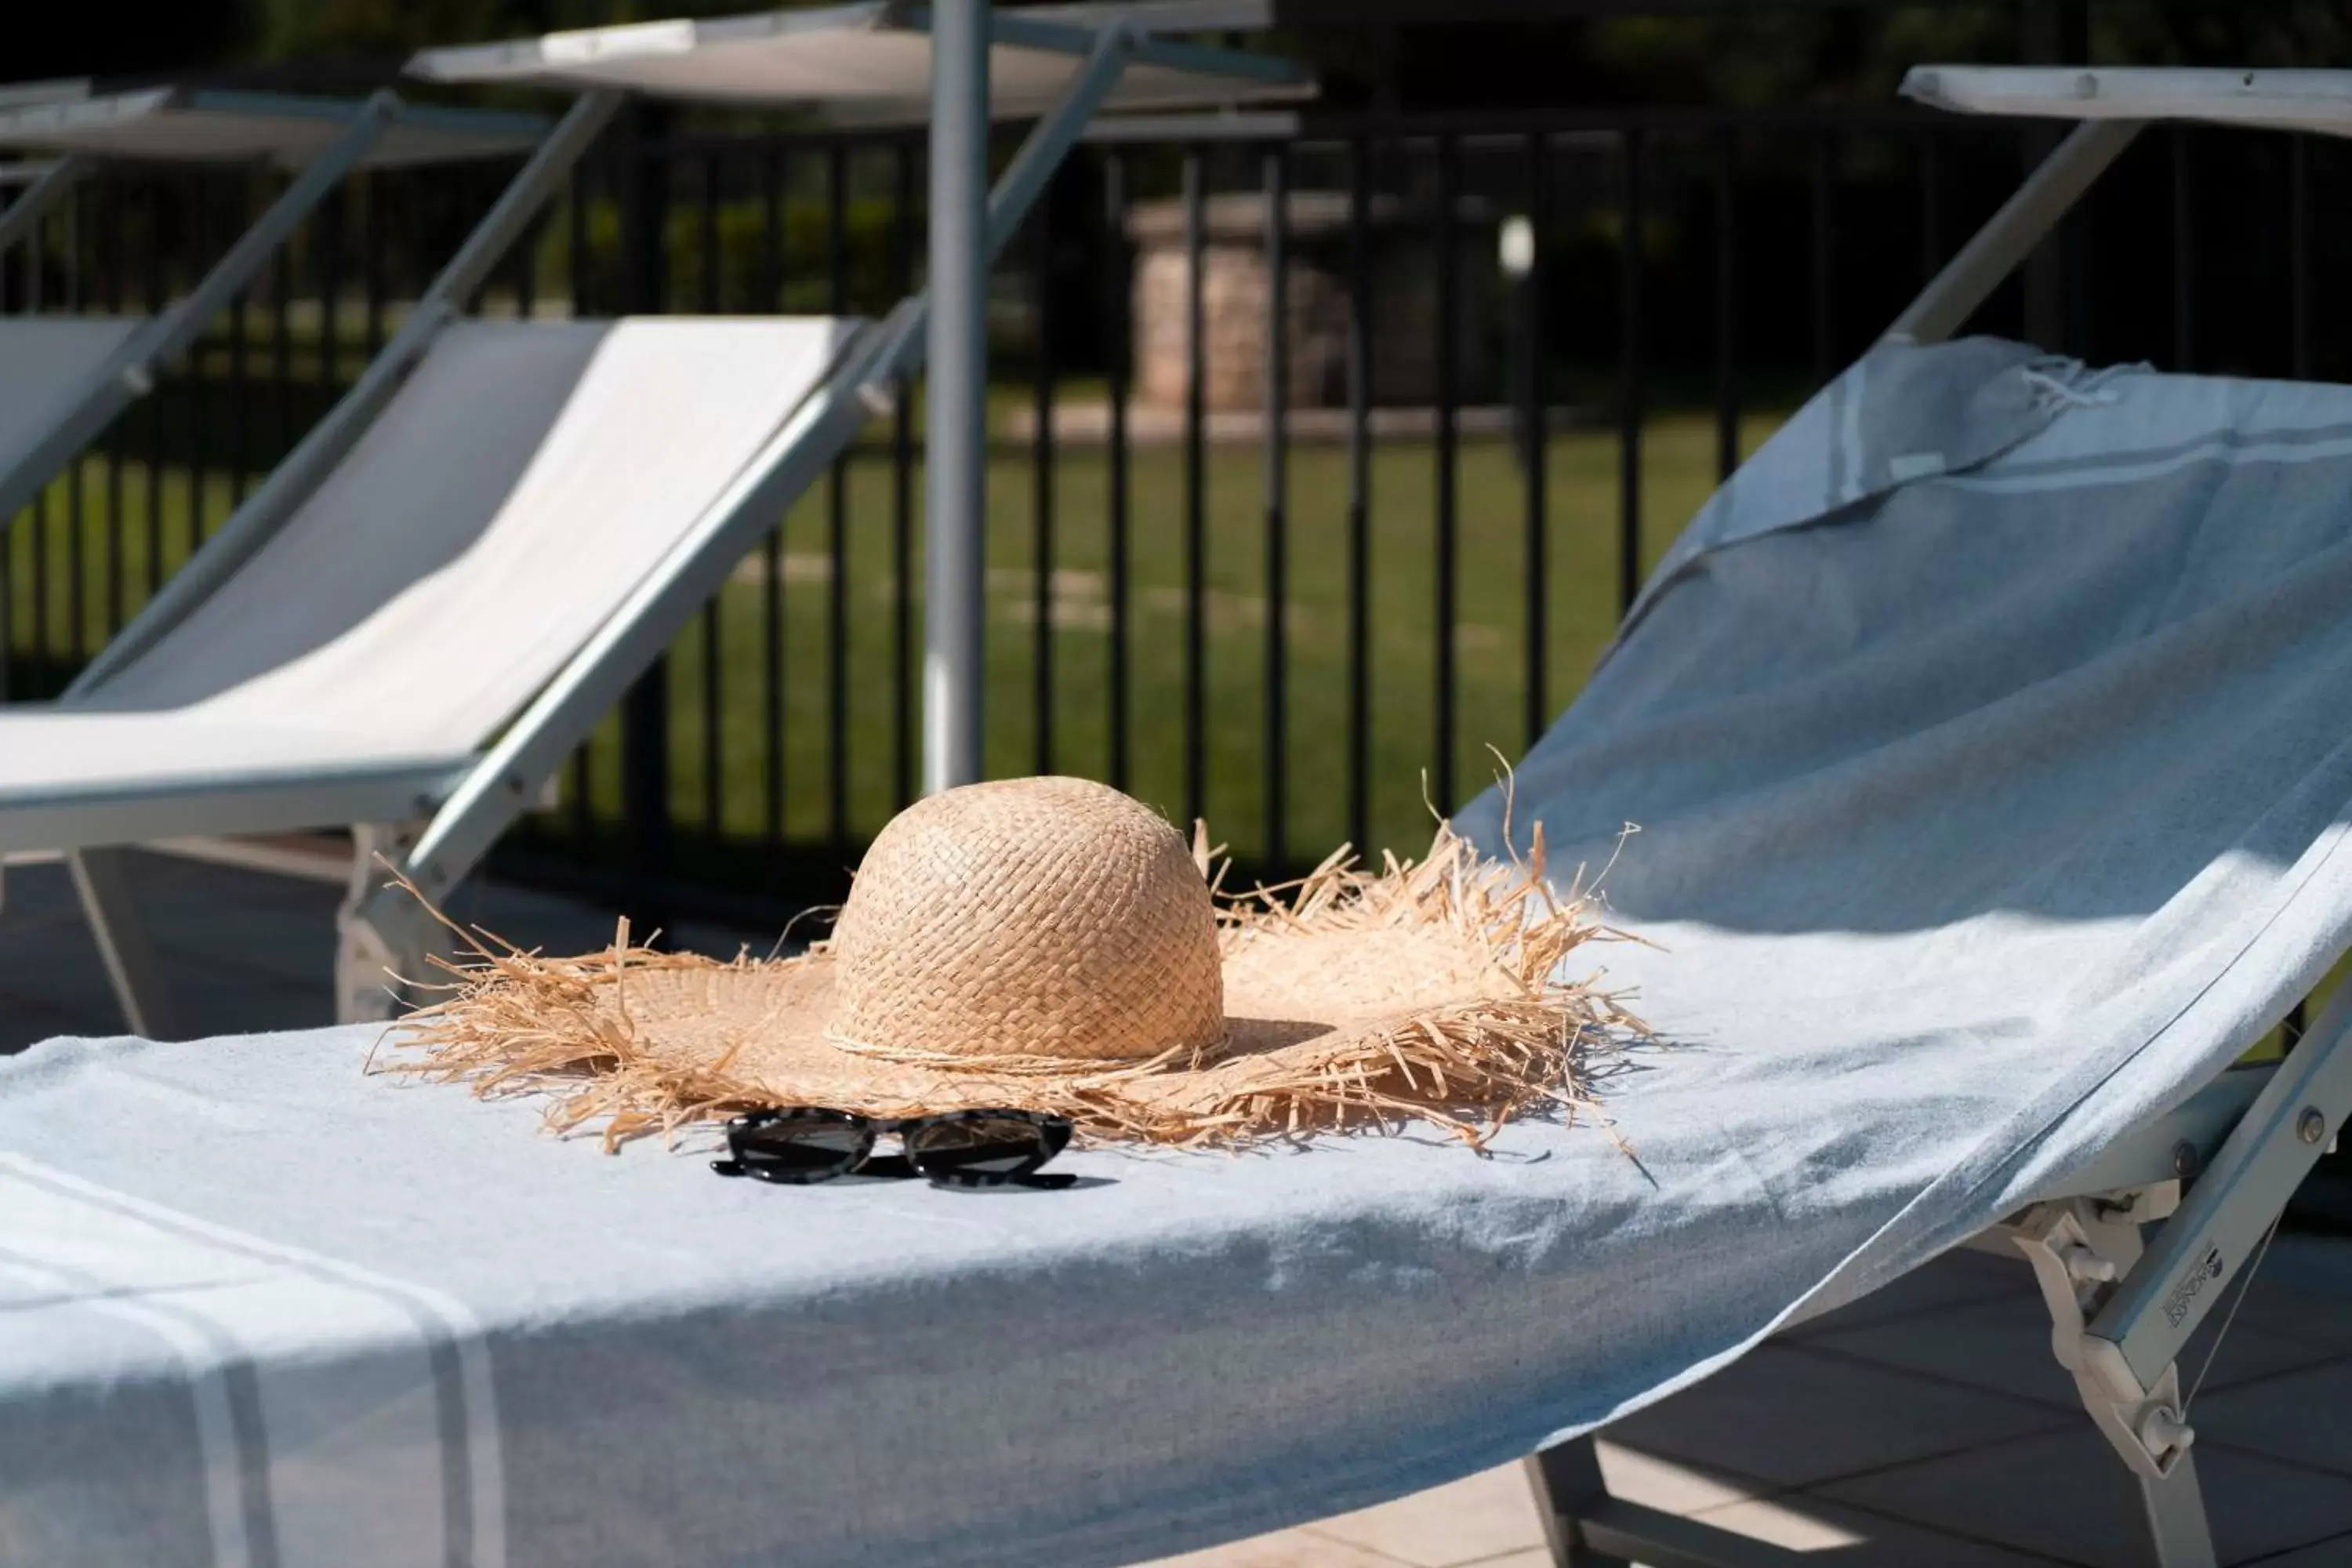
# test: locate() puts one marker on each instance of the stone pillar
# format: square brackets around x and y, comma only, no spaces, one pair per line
[1403,304]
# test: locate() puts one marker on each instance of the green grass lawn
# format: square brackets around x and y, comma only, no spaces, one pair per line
[1489,636]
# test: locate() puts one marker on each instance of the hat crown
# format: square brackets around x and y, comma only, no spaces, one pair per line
[1050,917]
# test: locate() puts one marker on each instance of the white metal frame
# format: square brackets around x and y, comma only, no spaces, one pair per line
[434,825]
[2122,1303]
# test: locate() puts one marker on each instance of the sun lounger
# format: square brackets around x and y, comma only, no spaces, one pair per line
[411,625]
[1986,737]
[1975,568]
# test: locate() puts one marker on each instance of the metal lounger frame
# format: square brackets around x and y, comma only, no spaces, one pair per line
[2121,1310]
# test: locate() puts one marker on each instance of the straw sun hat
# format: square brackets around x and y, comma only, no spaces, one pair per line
[1051,945]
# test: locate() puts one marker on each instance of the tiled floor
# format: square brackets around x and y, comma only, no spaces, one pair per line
[1925,1427]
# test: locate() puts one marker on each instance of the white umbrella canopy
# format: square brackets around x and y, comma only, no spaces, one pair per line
[180,124]
[2314,101]
[870,63]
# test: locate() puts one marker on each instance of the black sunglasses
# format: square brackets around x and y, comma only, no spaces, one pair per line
[958,1149]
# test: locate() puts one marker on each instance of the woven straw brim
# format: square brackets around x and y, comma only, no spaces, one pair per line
[1427,991]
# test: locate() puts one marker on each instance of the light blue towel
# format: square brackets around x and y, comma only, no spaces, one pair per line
[1986,739]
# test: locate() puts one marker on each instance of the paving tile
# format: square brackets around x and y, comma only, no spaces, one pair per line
[2333,1553]
[1851,1537]
[1485,1515]
[2004,1344]
[1661,1483]
[2306,1416]
[1283,1549]
[1791,1416]
[2067,1494]
[1956,1279]
[2324,1321]
[1495,1513]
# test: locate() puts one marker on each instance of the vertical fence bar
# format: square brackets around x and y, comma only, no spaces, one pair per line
[1041,485]
[36,516]
[1275,402]
[378,243]
[193,366]
[334,214]
[1449,307]
[1727,305]
[1629,375]
[575,282]
[714,789]
[2184,253]
[240,384]
[75,300]
[772,170]
[1359,494]
[526,269]
[152,277]
[1120,331]
[77,620]
[836,523]
[1196,377]
[281,348]
[902,497]
[1825,269]
[1931,206]
[117,249]
[1536,435]
[706,239]
[2300,322]
[645,711]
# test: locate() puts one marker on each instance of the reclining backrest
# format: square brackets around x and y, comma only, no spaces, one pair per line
[525,478]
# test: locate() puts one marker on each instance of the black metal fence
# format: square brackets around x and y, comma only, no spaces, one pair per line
[1517,354]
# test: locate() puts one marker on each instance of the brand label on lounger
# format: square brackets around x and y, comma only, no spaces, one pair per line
[2176,1305]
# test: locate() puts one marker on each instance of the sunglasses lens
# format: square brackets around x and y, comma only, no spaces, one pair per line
[802,1146]
[985,1148]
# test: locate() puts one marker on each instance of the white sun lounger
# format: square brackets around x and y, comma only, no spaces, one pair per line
[412,623]
[63,378]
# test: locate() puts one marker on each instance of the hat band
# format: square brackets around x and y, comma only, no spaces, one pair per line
[1031,1064]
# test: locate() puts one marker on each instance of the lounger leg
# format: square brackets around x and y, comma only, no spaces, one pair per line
[2175,1506]
[101,878]
[1568,1486]
[380,942]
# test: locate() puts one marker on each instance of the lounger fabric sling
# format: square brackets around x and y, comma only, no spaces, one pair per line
[1986,741]
[48,361]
